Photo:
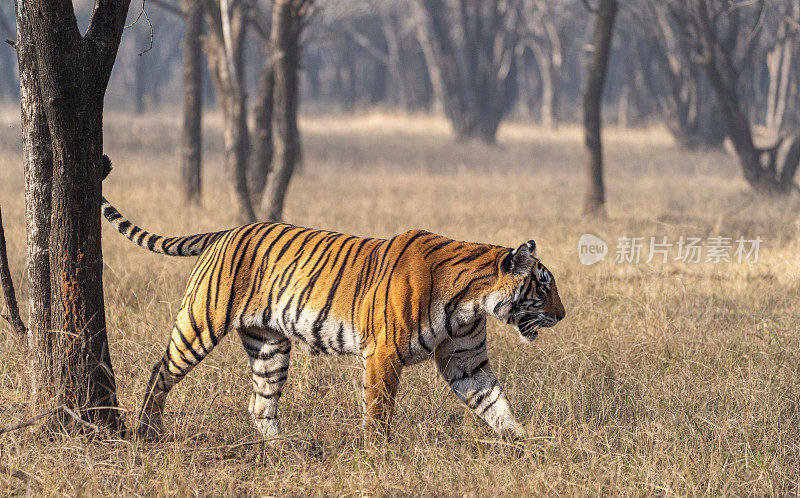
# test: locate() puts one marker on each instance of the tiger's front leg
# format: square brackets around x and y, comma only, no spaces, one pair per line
[269,362]
[463,362]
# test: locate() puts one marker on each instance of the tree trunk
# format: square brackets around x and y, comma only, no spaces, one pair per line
[263,148]
[73,73]
[192,136]
[767,170]
[770,178]
[594,203]
[434,72]
[472,47]
[394,62]
[38,164]
[548,85]
[228,21]
[285,37]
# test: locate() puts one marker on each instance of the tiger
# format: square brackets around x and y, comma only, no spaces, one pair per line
[392,302]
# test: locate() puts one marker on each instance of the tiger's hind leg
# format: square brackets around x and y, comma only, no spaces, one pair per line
[269,352]
[184,351]
[381,379]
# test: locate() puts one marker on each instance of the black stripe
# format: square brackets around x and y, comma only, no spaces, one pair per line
[438,246]
[478,398]
[256,279]
[181,243]
[491,404]
[281,376]
[472,257]
[268,396]
[188,345]
[113,215]
[452,305]
[388,288]
[234,273]
[479,367]
[198,332]
[258,354]
[480,345]
[316,327]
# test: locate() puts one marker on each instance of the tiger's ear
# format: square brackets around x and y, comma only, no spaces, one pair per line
[532,247]
[518,261]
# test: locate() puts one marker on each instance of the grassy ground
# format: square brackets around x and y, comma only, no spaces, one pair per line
[665,378]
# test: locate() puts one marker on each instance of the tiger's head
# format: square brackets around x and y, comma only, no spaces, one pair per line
[527,295]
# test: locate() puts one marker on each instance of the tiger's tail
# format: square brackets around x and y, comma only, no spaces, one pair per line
[188,245]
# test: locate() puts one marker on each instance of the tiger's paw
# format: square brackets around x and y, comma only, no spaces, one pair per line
[269,429]
[513,432]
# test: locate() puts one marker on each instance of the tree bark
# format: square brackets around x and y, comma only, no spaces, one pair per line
[192,136]
[38,165]
[594,203]
[73,73]
[287,24]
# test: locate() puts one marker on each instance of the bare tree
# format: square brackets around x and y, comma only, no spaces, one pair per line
[781,56]
[66,75]
[725,35]
[606,13]
[263,148]
[473,44]
[667,69]
[227,21]
[192,134]
[548,23]
[289,17]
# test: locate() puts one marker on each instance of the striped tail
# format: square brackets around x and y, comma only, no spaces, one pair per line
[189,245]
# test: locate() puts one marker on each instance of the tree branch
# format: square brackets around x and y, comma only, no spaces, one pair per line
[260,27]
[108,18]
[32,420]
[362,41]
[8,287]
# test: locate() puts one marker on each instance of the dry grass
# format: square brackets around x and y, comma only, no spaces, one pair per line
[663,379]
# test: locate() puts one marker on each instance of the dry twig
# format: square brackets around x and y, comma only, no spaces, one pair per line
[8,286]
[32,420]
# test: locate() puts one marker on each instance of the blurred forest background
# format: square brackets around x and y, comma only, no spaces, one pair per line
[481,63]
[473,119]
